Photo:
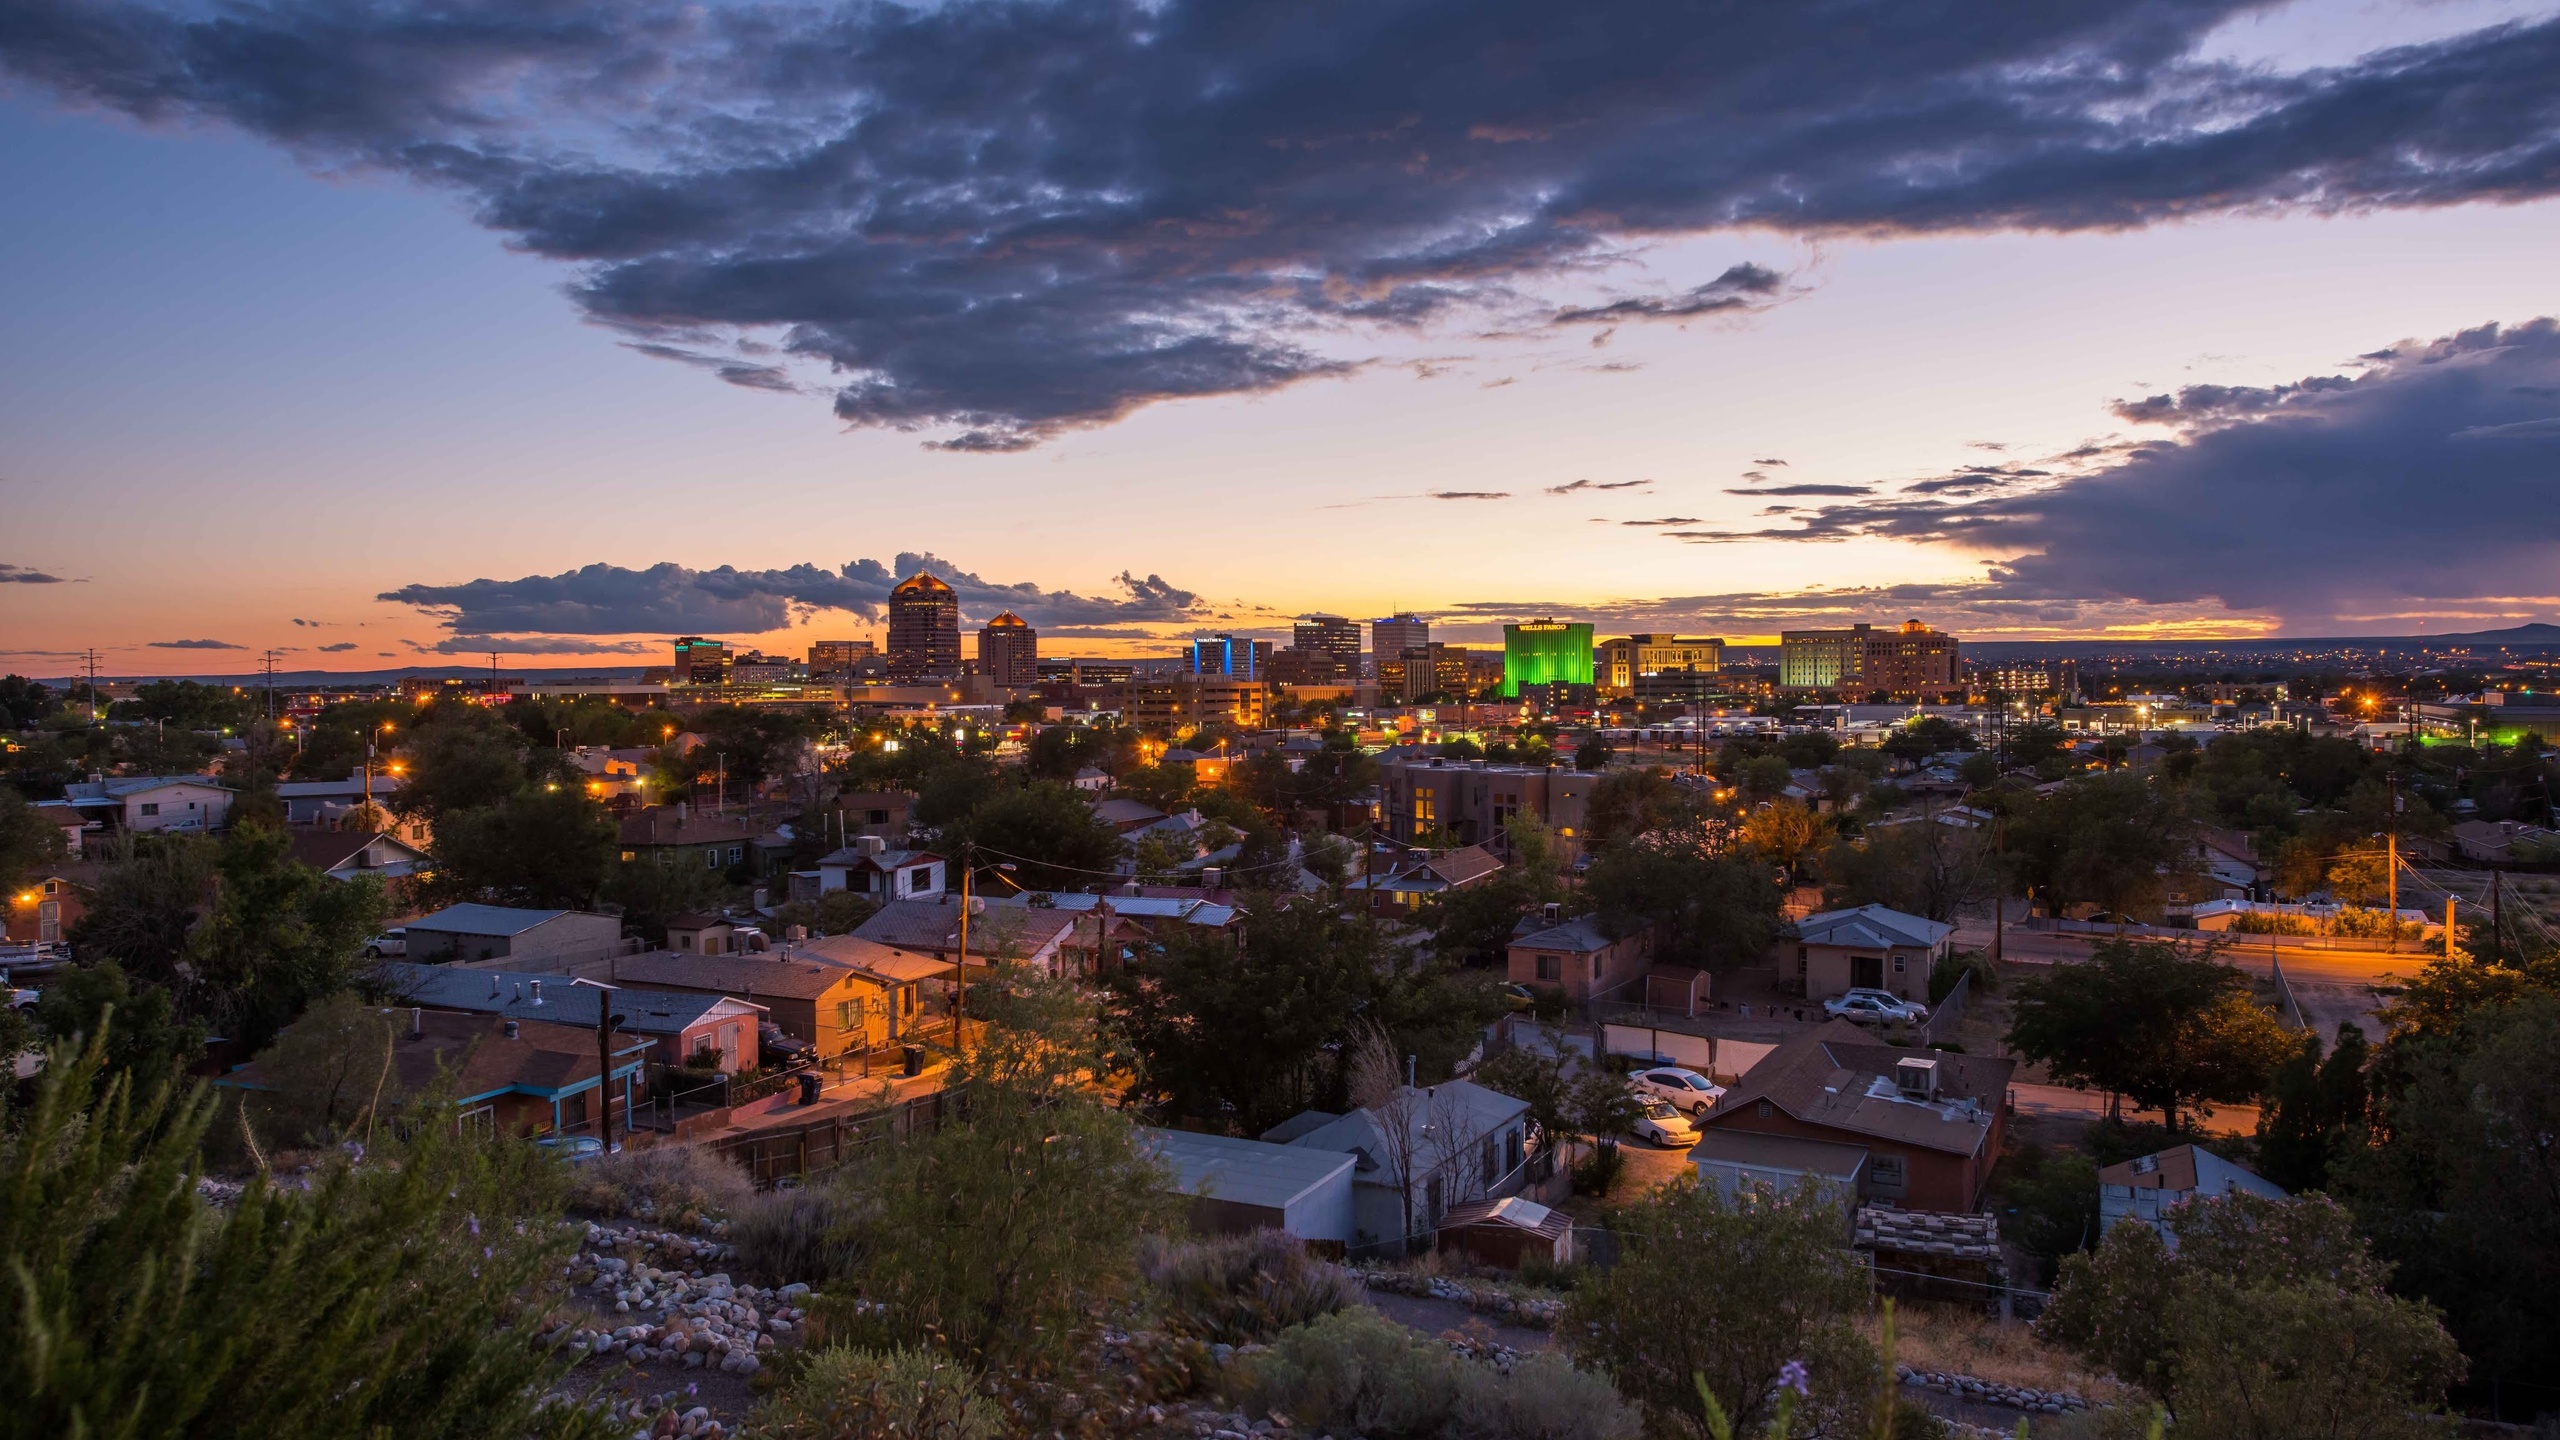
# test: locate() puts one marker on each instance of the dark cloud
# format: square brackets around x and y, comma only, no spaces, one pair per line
[1806,490]
[343,645]
[1470,495]
[1768,462]
[1741,287]
[195,645]
[2426,478]
[21,575]
[1976,480]
[2215,404]
[1001,219]
[1578,486]
[673,599]
[1665,520]
[537,645]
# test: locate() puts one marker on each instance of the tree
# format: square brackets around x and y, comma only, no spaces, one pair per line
[147,903]
[462,761]
[1046,830]
[1538,1081]
[28,841]
[1167,788]
[1922,867]
[1722,1295]
[279,936]
[1004,1238]
[1593,753]
[1245,1032]
[398,1296]
[2107,839]
[327,1071]
[1783,831]
[2271,1320]
[542,848]
[2141,1018]
[1628,803]
[145,1038]
[1711,904]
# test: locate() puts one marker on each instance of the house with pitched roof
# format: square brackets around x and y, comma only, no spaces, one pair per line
[869,867]
[681,835]
[1409,880]
[346,854]
[680,1024]
[516,1077]
[1428,1150]
[1868,948]
[998,934]
[2148,1188]
[1930,1121]
[528,938]
[194,803]
[1579,957]
[831,1005]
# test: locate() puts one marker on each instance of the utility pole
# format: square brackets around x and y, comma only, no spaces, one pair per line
[267,663]
[2392,840]
[91,657]
[960,966]
[606,1020]
[2448,926]
[2497,912]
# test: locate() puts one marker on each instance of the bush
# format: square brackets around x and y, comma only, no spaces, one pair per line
[1543,1398]
[1356,1370]
[1360,1372]
[795,1235]
[669,1184]
[1239,1289]
[1598,1173]
[848,1394]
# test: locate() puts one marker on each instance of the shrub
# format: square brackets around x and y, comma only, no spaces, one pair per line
[1238,1289]
[664,1183]
[1543,1398]
[848,1394]
[1356,1370]
[803,1235]
[1598,1174]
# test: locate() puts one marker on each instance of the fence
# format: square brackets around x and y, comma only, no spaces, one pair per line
[1713,1056]
[2284,990]
[802,1150]
[1948,1013]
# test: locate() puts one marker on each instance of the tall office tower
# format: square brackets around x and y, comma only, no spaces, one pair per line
[700,661]
[1009,651]
[837,657]
[1545,652]
[1392,635]
[1822,659]
[1329,635]
[924,629]
[1230,655]
[1912,662]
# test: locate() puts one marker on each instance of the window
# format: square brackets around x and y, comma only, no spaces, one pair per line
[844,1014]
[711,857]
[1767,1110]
[1886,1174]
[150,808]
[1595,965]
[1426,807]
[875,817]
[1897,964]
[1551,967]
[738,852]
[1512,1155]
[1492,1161]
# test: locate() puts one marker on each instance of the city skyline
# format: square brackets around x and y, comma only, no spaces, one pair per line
[276,378]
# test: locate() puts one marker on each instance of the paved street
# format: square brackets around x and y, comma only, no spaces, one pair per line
[2329,985]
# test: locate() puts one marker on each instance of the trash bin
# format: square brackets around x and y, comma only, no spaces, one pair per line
[915,1059]
[809,1084]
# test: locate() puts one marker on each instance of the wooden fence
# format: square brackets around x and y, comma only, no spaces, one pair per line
[822,1145]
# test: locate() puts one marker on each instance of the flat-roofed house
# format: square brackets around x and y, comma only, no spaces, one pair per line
[1239,1185]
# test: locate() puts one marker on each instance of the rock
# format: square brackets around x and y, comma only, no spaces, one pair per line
[693,1360]
[1223,1354]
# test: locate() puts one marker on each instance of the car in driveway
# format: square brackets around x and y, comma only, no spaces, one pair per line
[1658,1123]
[575,1149]
[1873,1007]
[1677,1086]
[390,943]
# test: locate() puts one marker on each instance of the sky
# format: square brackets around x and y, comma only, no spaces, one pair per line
[390,334]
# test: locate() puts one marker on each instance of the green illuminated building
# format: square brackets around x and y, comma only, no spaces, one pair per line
[1545,652]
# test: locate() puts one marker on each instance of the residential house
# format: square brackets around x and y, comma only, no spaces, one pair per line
[2147,1188]
[1734,1160]
[1579,957]
[680,1025]
[703,934]
[828,1004]
[1868,948]
[1930,1121]
[2227,863]
[515,1077]
[148,802]
[501,932]
[883,813]
[1132,921]
[2499,842]
[680,835]
[1126,815]
[869,867]
[1411,879]
[42,910]
[1423,794]
[1242,1185]
[903,978]
[1091,781]
[1013,935]
[346,854]
[1418,1155]
[336,803]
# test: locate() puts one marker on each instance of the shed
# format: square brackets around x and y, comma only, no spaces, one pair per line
[1677,988]
[1239,1185]
[1508,1232]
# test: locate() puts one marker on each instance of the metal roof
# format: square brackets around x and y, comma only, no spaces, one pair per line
[513,994]
[1870,925]
[484,920]
[1244,1172]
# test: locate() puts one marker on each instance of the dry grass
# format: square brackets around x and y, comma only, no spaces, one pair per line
[1947,1338]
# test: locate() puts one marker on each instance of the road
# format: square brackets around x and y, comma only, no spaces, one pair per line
[2330,985]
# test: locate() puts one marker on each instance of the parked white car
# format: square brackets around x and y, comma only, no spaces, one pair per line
[1873,1007]
[391,942]
[1664,1126]
[1683,1090]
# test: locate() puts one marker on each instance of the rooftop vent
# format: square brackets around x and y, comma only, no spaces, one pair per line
[537,992]
[869,845]
[511,1030]
[1916,1077]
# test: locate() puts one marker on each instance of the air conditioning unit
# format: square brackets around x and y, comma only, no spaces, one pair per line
[1916,1077]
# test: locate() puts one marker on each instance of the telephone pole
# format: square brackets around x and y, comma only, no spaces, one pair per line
[90,658]
[267,665]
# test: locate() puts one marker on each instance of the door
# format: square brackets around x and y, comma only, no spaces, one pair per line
[1866,972]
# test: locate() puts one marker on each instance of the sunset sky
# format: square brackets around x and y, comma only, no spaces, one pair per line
[384,334]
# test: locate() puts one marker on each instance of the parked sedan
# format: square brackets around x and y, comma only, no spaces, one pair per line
[1664,1126]
[1866,1009]
[1683,1090]
[1917,1010]
[394,941]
